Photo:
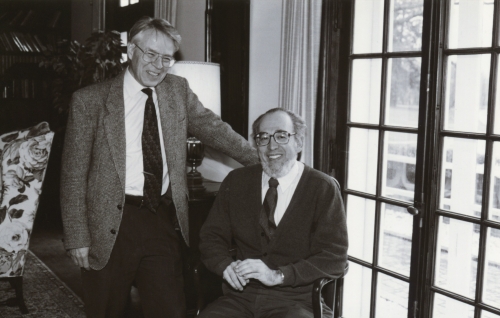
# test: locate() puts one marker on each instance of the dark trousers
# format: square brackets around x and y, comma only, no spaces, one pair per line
[255,302]
[147,251]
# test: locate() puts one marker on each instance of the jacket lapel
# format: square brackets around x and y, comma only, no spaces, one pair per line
[114,125]
[168,118]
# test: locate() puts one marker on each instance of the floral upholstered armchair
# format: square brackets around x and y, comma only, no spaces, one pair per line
[24,156]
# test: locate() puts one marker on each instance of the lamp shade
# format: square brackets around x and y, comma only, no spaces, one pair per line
[204,80]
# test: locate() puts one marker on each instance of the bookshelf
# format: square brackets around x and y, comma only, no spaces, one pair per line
[27,28]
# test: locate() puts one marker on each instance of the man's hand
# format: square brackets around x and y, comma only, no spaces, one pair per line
[257,269]
[233,279]
[80,256]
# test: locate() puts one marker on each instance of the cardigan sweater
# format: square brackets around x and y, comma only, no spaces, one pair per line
[310,242]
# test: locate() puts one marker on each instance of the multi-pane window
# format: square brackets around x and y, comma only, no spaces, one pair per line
[454,271]
[466,272]
[382,129]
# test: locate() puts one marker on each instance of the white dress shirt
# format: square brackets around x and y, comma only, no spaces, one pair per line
[286,189]
[135,102]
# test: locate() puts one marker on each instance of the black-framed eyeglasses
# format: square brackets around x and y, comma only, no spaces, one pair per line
[281,137]
[151,57]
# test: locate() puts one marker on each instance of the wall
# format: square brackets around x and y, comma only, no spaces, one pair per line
[265,57]
[265,47]
[81,19]
[191,25]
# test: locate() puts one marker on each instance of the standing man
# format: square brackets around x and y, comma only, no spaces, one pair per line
[123,188]
[287,221]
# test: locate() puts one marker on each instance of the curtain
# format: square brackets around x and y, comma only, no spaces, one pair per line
[300,44]
[166,9]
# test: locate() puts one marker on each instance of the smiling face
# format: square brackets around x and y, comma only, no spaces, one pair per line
[149,74]
[278,159]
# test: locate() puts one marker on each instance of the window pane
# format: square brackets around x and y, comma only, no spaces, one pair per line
[487,314]
[405,25]
[361,227]
[368,25]
[392,297]
[123,3]
[467,92]
[365,90]
[496,126]
[403,92]
[399,166]
[357,292]
[462,172]
[471,23]
[491,287]
[363,149]
[396,228]
[445,307]
[494,211]
[456,256]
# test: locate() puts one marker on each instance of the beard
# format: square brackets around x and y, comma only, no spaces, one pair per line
[277,169]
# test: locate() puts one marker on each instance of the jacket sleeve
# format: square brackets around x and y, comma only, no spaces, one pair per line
[328,244]
[216,234]
[212,131]
[76,159]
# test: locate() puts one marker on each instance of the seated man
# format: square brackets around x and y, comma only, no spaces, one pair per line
[287,221]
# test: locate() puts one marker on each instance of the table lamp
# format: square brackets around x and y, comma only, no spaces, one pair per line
[204,80]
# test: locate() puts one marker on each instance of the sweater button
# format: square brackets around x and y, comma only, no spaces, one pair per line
[262,234]
[265,254]
[113,231]
[119,206]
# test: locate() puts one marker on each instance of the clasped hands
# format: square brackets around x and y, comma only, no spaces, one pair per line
[238,273]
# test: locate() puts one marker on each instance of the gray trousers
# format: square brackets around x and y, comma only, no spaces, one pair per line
[256,302]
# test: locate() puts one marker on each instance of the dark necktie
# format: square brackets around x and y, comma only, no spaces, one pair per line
[270,201]
[151,154]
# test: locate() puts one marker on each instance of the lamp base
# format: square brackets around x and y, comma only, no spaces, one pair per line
[195,181]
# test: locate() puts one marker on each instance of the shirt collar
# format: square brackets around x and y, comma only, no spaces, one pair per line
[131,86]
[285,181]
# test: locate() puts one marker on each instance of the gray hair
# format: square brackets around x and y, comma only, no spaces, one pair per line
[299,125]
[160,25]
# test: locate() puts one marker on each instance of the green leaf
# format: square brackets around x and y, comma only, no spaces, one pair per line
[10,137]
[16,214]
[18,199]
[3,213]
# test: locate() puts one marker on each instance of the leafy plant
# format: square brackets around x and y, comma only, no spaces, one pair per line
[75,65]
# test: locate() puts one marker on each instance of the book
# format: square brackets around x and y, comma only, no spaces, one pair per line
[28,20]
[39,42]
[17,19]
[55,18]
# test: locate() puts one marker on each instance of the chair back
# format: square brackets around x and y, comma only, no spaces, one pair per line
[24,155]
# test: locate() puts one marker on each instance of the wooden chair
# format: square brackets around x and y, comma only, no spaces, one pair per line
[24,156]
[331,291]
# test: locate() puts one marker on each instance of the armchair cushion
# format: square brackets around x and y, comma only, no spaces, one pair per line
[24,156]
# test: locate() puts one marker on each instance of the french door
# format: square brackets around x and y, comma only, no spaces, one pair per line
[421,166]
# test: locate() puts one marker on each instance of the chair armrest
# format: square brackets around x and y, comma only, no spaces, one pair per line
[328,288]
[198,271]
[316,295]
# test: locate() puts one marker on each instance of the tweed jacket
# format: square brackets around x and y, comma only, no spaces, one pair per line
[310,241]
[93,161]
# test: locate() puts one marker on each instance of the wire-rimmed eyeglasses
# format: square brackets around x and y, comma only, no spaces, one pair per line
[281,137]
[151,57]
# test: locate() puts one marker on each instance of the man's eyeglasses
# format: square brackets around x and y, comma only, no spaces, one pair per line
[151,57]
[281,137]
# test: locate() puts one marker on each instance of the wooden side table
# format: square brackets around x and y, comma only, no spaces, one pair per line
[200,204]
